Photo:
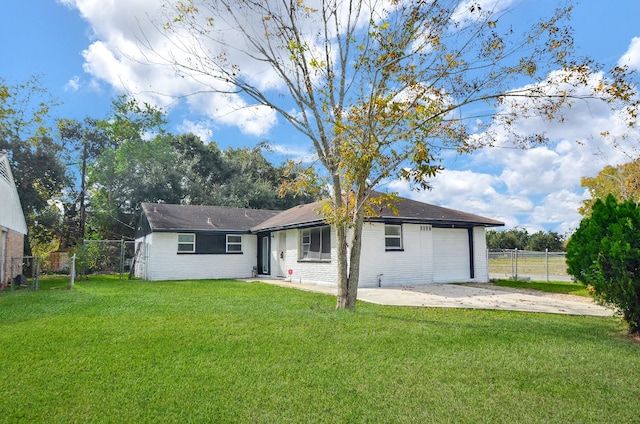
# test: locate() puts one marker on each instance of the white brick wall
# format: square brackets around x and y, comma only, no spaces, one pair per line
[412,266]
[323,273]
[164,263]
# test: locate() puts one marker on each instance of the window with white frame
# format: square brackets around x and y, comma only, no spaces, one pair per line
[186,243]
[393,237]
[315,244]
[234,243]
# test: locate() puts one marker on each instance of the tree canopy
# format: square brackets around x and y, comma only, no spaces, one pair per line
[34,155]
[379,87]
[519,238]
[148,164]
[623,181]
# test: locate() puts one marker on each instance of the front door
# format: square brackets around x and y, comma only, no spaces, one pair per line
[282,253]
[265,254]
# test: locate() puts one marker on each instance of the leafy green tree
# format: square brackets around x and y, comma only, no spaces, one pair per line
[34,155]
[140,166]
[83,142]
[514,238]
[204,169]
[137,171]
[541,241]
[147,164]
[132,120]
[519,238]
[378,87]
[604,254]
[254,182]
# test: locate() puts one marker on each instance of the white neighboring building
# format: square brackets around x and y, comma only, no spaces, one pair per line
[13,226]
[420,244]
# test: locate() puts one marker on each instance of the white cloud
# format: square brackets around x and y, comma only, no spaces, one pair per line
[560,207]
[73,84]
[294,154]
[118,57]
[200,129]
[631,57]
[231,110]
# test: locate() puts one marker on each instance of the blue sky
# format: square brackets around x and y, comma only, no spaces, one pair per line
[77,47]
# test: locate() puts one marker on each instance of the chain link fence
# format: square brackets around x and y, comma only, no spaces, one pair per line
[111,257]
[26,273]
[105,257]
[527,265]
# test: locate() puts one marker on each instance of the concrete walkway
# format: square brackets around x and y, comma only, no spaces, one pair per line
[465,296]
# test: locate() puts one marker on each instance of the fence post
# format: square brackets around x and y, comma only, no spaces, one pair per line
[37,277]
[513,272]
[546,261]
[121,258]
[72,272]
[516,275]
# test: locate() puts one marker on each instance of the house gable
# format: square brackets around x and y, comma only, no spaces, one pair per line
[13,226]
[11,215]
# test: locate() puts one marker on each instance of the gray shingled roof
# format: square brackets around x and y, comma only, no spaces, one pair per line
[408,211]
[302,215]
[164,217]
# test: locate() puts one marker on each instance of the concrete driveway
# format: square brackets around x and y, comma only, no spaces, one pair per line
[473,296]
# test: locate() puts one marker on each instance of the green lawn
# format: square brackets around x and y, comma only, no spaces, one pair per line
[576,289]
[228,351]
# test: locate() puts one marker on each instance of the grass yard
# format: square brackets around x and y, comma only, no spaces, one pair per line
[227,351]
[576,289]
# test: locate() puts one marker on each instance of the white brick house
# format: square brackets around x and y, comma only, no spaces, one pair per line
[178,242]
[421,244]
[13,226]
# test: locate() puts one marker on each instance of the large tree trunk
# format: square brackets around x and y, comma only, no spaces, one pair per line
[341,243]
[343,269]
[354,265]
[349,270]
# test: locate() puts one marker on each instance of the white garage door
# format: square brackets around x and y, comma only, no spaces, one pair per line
[450,255]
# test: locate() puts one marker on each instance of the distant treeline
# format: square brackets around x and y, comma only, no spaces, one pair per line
[519,238]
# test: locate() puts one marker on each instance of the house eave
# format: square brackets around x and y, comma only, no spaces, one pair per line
[292,226]
[201,230]
[386,219]
[438,223]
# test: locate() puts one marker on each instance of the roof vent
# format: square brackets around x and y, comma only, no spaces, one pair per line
[4,171]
